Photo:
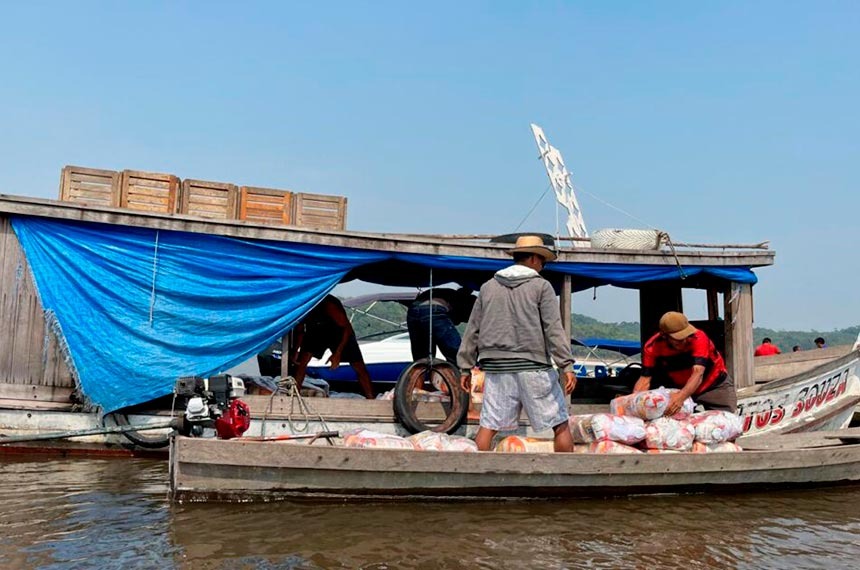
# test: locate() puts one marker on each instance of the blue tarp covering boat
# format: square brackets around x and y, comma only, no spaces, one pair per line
[138,307]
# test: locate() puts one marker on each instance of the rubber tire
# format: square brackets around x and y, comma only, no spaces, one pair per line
[456,410]
[140,439]
[624,374]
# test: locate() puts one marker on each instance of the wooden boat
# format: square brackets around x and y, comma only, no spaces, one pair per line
[36,381]
[236,470]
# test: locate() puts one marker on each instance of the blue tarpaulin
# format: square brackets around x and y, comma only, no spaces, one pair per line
[139,307]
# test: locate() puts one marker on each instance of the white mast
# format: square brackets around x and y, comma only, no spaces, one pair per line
[559,177]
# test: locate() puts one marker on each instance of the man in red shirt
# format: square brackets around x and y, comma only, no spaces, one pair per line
[683,356]
[766,348]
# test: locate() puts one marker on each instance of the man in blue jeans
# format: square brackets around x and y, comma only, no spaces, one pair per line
[440,312]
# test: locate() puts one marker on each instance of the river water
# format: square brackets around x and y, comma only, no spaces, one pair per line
[83,513]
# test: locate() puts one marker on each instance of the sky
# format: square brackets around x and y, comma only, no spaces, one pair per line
[717,122]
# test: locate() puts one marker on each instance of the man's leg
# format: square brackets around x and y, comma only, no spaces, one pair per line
[301,368]
[562,439]
[447,338]
[419,332]
[363,378]
[724,397]
[484,438]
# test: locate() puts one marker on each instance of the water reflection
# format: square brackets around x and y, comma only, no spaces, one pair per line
[114,514]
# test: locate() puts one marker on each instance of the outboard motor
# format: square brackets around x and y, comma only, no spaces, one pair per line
[213,403]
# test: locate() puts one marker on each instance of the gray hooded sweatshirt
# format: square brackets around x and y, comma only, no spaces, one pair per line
[516,316]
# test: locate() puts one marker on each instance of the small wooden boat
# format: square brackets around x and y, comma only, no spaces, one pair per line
[236,470]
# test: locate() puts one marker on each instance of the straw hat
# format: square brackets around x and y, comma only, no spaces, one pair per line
[676,325]
[533,244]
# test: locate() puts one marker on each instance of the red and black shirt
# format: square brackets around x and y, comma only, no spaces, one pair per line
[662,362]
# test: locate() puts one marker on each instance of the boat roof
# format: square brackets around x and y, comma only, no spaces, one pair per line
[140,299]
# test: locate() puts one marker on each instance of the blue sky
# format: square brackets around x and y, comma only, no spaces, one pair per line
[716,122]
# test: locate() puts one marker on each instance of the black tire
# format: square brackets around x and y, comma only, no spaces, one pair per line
[418,374]
[140,439]
[628,375]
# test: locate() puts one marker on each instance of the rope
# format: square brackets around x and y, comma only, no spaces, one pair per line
[287,386]
[430,306]
[154,273]
[663,236]
[529,213]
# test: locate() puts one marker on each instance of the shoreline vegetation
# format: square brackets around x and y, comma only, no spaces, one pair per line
[588,327]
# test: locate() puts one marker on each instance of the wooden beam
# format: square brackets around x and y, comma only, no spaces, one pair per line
[713,304]
[566,306]
[739,341]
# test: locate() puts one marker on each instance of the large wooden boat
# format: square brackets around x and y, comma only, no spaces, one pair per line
[47,355]
[236,470]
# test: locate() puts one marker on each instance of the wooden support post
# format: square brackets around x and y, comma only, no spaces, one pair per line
[713,304]
[739,341]
[565,305]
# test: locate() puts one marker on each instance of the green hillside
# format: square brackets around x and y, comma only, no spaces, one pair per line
[583,327]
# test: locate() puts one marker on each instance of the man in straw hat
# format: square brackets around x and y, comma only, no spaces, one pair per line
[682,356]
[514,334]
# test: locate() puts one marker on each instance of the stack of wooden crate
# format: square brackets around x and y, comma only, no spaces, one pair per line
[166,194]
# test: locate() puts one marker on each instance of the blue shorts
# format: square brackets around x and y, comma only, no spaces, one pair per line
[537,392]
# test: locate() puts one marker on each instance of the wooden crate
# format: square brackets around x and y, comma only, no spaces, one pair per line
[149,191]
[90,186]
[319,211]
[265,205]
[215,200]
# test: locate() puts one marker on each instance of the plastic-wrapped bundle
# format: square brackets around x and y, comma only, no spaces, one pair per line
[432,441]
[724,447]
[662,450]
[520,444]
[666,433]
[649,404]
[364,438]
[606,447]
[716,426]
[604,427]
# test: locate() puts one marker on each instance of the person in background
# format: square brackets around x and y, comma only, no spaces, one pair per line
[446,309]
[514,335]
[327,327]
[819,343]
[766,348]
[795,348]
[682,356]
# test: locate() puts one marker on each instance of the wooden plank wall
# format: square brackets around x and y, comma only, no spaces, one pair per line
[265,205]
[149,191]
[91,186]
[319,211]
[28,357]
[214,200]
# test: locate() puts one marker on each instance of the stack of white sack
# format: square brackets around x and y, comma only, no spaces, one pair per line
[606,447]
[365,438]
[716,426]
[588,428]
[716,431]
[521,444]
[649,405]
[666,433]
[432,441]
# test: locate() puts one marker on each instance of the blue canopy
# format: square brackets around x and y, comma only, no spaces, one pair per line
[139,307]
[625,347]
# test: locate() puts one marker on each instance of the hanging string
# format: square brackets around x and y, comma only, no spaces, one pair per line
[154,273]
[430,306]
